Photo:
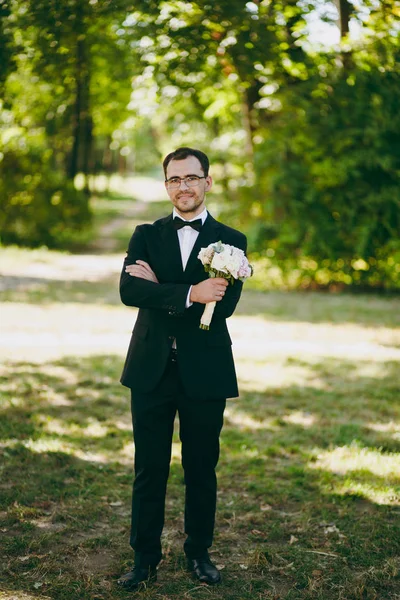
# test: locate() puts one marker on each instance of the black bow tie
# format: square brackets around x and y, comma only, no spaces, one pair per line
[179,223]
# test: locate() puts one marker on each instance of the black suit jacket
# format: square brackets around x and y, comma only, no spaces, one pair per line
[204,357]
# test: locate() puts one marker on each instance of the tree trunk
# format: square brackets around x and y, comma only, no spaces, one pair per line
[248,126]
[76,123]
[82,121]
[87,135]
[345,10]
[107,160]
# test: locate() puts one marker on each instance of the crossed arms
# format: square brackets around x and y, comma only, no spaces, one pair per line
[210,290]
[139,286]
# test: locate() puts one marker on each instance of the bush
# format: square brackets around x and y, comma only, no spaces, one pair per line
[38,206]
[325,207]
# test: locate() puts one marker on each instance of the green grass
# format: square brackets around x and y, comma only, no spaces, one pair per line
[309,474]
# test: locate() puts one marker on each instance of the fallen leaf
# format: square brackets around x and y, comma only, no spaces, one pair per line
[37,585]
[244,567]
[265,507]
[331,529]
[23,558]
[115,503]
[256,532]
[293,539]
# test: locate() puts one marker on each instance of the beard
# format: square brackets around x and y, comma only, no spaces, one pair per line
[190,204]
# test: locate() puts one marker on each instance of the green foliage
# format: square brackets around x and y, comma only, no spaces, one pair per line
[6,43]
[303,142]
[38,206]
[62,72]
[331,181]
[78,50]
[303,139]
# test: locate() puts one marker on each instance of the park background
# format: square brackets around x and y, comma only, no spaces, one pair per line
[297,105]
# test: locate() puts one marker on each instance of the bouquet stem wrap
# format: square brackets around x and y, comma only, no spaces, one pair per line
[207,315]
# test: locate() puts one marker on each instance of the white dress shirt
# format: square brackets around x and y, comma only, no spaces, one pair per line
[187,235]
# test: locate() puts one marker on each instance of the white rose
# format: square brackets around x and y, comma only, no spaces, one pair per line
[206,254]
[218,262]
[233,266]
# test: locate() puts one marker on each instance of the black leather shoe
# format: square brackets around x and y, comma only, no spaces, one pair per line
[138,578]
[204,570]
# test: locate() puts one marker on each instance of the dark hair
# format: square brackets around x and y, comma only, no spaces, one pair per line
[182,153]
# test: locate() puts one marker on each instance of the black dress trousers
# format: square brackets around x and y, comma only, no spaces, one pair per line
[201,422]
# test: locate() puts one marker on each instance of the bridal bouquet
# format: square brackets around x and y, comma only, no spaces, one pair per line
[222,260]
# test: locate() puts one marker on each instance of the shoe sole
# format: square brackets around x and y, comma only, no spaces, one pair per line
[137,586]
[204,580]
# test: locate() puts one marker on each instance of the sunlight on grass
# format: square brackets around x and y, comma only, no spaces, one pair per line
[57,330]
[95,429]
[380,494]
[300,418]
[273,371]
[58,445]
[393,428]
[357,465]
[16,595]
[245,422]
[260,338]
[125,455]
[261,347]
[352,458]
[61,372]
[50,264]
[44,445]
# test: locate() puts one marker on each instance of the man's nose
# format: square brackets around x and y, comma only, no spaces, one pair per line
[183,181]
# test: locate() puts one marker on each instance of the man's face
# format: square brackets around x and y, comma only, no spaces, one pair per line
[188,201]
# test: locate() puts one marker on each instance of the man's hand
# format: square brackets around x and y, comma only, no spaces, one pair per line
[143,270]
[209,290]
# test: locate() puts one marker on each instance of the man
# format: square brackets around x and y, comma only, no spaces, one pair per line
[174,366]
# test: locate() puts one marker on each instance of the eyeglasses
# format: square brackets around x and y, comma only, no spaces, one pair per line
[175,182]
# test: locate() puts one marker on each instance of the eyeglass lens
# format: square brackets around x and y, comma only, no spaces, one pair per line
[189,181]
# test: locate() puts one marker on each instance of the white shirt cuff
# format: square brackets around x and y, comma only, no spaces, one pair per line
[188,302]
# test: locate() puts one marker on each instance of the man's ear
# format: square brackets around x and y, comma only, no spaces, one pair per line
[209,183]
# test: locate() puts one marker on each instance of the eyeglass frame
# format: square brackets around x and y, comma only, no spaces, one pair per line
[193,184]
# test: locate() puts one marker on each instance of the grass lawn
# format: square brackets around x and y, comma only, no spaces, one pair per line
[309,475]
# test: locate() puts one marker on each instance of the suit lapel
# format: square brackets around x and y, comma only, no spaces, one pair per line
[172,261]
[171,249]
[208,235]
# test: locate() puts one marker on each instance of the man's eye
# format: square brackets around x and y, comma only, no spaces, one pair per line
[175,180]
[194,178]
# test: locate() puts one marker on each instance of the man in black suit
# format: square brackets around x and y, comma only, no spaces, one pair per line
[174,366]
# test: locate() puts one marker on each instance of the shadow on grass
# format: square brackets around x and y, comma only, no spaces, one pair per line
[320,307]
[41,291]
[291,523]
[340,404]
[313,308]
